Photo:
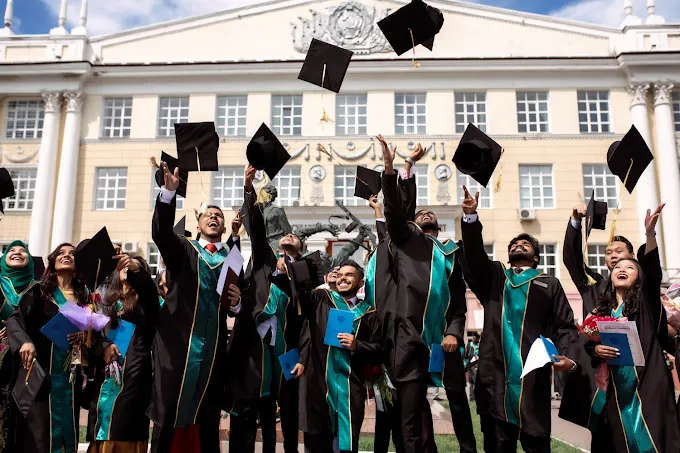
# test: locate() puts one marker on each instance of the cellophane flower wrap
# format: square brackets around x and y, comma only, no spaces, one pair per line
[671,303]
[589,328]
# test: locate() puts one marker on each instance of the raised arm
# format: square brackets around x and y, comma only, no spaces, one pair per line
[476,264]
[169,244]
[650,262]
[573,252]
[257,229]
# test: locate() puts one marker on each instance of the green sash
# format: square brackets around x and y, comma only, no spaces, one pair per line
[12,298]
[439,297]
[204,334]
[276,306]
[338,369]
[515,299]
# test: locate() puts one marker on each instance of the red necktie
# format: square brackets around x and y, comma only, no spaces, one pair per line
[212,248]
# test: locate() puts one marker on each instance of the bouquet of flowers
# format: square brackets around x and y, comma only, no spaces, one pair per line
[589,326]
[671,303]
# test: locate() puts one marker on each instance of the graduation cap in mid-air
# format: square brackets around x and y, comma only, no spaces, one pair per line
[307,273]
[180,228]
[367,183]
[28,384]
[596,215]
[438,19]
[265,152]
[6,187]
[477,155]
[410,25]
[325,65]
[629,158]
[193,137]
[94,259]
[172,164]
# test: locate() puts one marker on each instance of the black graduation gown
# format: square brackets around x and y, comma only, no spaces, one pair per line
[118,413]
[403,267]
[176,322]
[547,312]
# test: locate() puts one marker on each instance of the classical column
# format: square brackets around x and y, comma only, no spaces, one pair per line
[645,190]
[669,175]
[43,199]
[62,226]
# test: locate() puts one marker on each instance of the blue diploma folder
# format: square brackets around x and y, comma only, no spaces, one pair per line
[550,348]
[122,335]
[339,321]
[436,359]
[620,342]
[288,362]
[57,329]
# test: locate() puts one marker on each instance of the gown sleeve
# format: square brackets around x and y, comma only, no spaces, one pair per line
[397,222]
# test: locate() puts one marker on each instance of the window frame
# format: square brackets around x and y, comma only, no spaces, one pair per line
[122,118]
[607,175]
[235,187]
[675,107]
[460,127]
[552,186]
[588,123]
[222,112]
[601,269]
[33,169]
[422,171]
[416,125]
[348,177]
[359,129]
[473,186]
[556,255]
[39,119]
[95,198]
[526,102]
[278,129]
[169,128]
[149,252]
[276,181]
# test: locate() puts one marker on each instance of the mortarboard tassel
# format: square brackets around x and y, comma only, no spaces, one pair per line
[612,232]
[204,205]
[591,280]
[415,64]
[324,116]
[497,186]
[322,149]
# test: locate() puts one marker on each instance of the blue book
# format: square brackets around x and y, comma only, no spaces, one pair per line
[550,348]
[436,359]
[339,321]
[57,329]
[620,342]
[288,362]
[122,335]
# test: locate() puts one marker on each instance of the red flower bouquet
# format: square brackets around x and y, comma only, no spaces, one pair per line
[589,326]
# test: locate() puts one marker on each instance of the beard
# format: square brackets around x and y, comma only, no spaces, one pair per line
[349,292]
[521,255]
[429,225]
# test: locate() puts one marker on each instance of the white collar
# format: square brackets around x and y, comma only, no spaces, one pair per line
[524,268]
[203,243]
[353,301]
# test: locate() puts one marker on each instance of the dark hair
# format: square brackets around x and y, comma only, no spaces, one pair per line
[629,246]
[632,297]
[114,293]
[48,283]
[534,245]
[212,206]
[355,265]
[476,335]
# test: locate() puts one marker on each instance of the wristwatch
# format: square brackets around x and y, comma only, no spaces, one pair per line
[410,161]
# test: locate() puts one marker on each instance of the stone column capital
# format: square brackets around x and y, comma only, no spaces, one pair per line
[662,93]
[74,101]
[52,100]
[638,93]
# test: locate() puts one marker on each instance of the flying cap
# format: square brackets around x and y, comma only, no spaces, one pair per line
[408,26]
[367,183]
[438,19]
[193,136]
[477,155]
[629,158]
[325,65]
[265,152]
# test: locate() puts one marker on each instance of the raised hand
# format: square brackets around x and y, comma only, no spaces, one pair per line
[126,262]
[171,179]
[376,205]
[469,203]
[236,225]
[388,155]
[417,153]
[651,219]
[579,212]
[332,229]
[250,177]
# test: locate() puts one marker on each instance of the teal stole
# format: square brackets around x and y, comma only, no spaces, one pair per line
[439,297]
[515,299]
[204,333]
[338,369]
[108,393]
[62,402]
[271,369]
[12,298]
[625,380]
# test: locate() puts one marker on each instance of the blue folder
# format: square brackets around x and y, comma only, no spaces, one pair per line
[339,321]
[57,329]
[550,348]
[436,359]
[122,335]
[288,362]
[620,342]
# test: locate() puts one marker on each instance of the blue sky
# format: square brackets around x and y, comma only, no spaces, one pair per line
[108,16]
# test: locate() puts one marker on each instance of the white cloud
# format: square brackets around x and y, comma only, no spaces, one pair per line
[610,12]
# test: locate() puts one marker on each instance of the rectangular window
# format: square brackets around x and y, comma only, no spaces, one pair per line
[536,187]
[172,110]
[597,177]
[231,115]
[344,186]
[25,119]
[409,114]
[155,190]
[350,114]
[474,187]
[110,189]
[593,111]
[287,184]
[117,117]
[470,108]
[24,189]
[596,259]
[227,187]
[153,257]
[532,111]
[548,264]
[676,110]
[287,114]
[490,251]
[422,184]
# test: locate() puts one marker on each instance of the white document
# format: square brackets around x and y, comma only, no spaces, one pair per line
[538,356]
[233,261]
[628,328]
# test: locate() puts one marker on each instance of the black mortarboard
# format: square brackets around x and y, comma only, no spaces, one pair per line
[38,267]
[27,386]
[6,187]
[307,272]
[265,152]
[596,215]
[414,16]
[438,19]
[477,155]
[201,136]
[629,158]
[367,184]
[95,260]
[172,164]
[180,228]
[336,59]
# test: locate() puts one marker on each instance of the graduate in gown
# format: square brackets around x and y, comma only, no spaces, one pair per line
[190,347]
[51,425]
[420,301]
[640,402]
[520,304]
[117,421]
[16,279]
[269,325]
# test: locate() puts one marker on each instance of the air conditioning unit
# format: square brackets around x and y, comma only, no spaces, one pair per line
[129,247]
[527,215]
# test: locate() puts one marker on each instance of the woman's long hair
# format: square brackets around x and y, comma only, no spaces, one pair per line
[49,283]
[633,297]
[114,292]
